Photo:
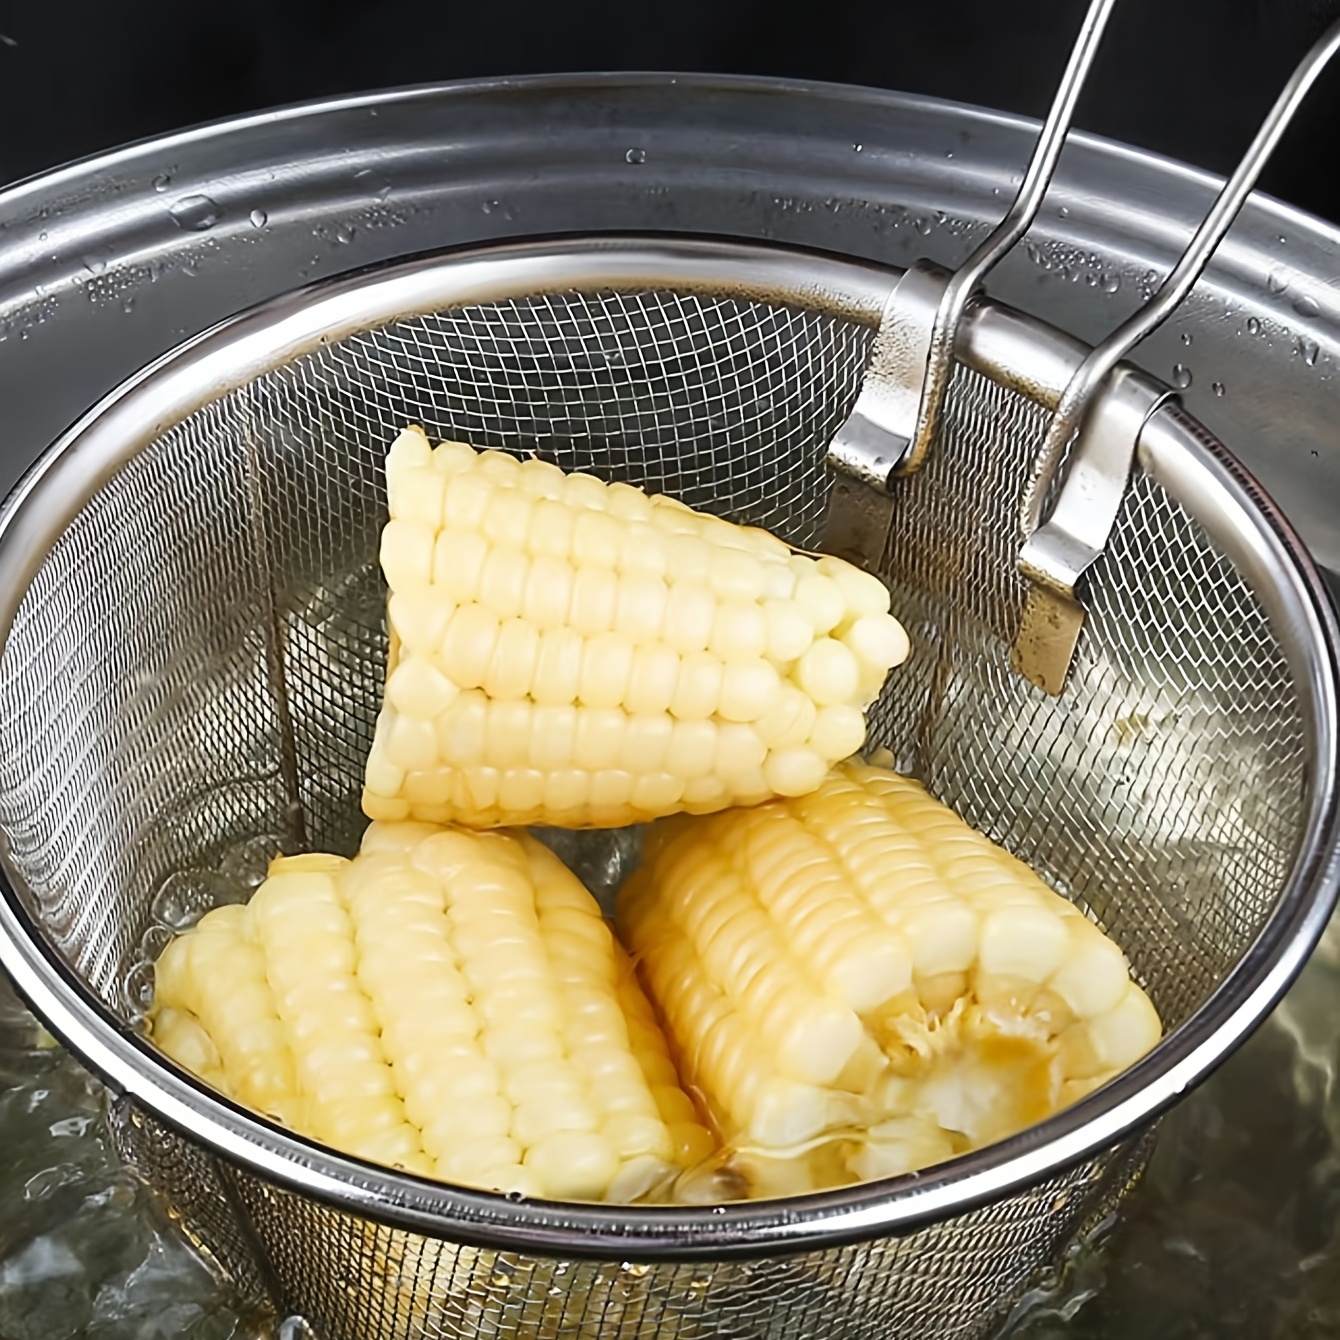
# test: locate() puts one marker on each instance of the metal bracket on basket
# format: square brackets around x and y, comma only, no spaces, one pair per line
[1057,554]
[897,414]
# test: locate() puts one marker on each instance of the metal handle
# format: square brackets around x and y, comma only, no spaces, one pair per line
[897,413]
[1103,410]
[968,278]
[1078,395]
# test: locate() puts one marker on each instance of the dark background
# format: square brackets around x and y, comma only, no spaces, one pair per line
[1189,78]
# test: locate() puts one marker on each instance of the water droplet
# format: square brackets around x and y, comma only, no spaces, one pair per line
[1110,282]
[362,172]
[1181,376]
[858,147]
[1217,388]
[259,218]
[1186,337]
[342,234]
[1306,305]
[195,213]
[516,1197]
[295,1328]
[1278,279]
[162,182]
[1063,212]
[635,156]
[1253,325]
[1308,350]
[42,236]
[949,153]
[1280,238]
[128,306]
[923,226]
[637,1269]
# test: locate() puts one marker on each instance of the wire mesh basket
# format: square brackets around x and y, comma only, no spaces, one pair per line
[193,651]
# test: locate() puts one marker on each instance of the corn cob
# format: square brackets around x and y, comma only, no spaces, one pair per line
[450,1003]
[859,984]
[578,654]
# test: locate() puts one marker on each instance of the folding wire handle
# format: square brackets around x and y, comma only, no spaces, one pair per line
[897,413]
[1101,411]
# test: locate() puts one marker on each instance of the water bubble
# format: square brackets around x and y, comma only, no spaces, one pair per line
[342,234]
[1181,376]
[638,1269]
[859,148]
[923,226]
[195,213]
[42,236]
[1110,283]
[1277,280]
[516,1197]
[1280,238]
[128,306]
[1217,387]
[162,182]
[1308,349]
[1306,305]
[635,156]
[1063,212]
[259,218]
[1186,337]
[1253,325]
[295,1328]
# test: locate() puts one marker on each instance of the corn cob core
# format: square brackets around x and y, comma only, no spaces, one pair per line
[448,1002]
[859,984]
[578,654]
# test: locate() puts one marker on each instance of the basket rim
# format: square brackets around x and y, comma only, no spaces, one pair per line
[1174,448]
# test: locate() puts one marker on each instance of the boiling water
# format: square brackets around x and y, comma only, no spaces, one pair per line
[1234,1232]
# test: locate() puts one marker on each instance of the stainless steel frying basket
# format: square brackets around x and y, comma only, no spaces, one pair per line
[193,651]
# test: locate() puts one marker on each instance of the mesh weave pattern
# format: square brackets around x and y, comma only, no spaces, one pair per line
[198,663]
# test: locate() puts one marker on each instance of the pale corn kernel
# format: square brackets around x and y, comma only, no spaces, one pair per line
[416,687]
[698,687]
[419,619]
[646,742]
[736,576]
[789,722]
[411,743]
[877,640]
[406,555]
[828,672]
[553,738]
[457,570]
[653,680]
[521,792]
[502,583]
[551,530]
[462,731]
[584,491]
[789,633]
[640,608]
[540,479]
[838,731]
[466,501]
[596,538]
[418,495]
[468,645]
[750,689]
[865,593]
[512,670]
[693,749]
[607,666]
[689,614]
[595,593]
[508,517]
[643,551]
[572,1164]
[548,595]
[558,667]
[452,457]
[599,742]
[507,733]
[409,450]
[624,501]
[794,771]
[820,600]
[739,631]
[690,558]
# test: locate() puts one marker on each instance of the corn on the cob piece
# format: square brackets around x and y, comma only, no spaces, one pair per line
[859,984]
[448,1002]
[578,654]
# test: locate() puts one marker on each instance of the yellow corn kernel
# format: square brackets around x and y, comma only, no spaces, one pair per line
[448,1002]
[859,984]
[545,591]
